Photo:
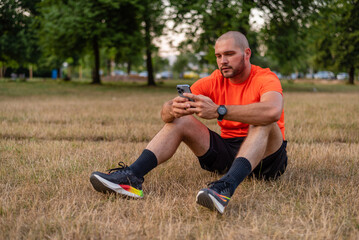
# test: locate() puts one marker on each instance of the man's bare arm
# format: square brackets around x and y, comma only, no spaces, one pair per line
[166,114]
[175,108]
[267,111]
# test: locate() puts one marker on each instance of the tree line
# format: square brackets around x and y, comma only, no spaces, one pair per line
[297,36]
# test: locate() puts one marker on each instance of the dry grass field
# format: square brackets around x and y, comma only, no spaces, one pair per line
[53,135]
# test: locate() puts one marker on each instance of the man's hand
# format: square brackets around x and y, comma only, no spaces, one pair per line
[203,106]
[180,106]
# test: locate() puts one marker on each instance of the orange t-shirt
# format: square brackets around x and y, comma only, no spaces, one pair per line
[223,92]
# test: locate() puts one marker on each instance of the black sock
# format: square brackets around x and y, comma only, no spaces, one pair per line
[239,170]
[144,163]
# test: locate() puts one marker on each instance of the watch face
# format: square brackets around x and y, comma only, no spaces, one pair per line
[222,110]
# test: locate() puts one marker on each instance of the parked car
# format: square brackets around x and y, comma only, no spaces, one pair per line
[342,76]
[309,75]
[279,75]
[296,75]
[143,74]
[166,75]
[202,75]
[324,75]
[119,73]
[190,75]
[293,76]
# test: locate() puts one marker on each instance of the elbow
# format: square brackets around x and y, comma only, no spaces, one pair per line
[274,115]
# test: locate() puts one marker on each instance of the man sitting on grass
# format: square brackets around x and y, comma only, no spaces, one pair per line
[248,103]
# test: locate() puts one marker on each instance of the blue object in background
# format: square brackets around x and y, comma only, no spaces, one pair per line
[54,74]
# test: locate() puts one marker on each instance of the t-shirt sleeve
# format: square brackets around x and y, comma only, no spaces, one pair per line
[270,82]
[202,86]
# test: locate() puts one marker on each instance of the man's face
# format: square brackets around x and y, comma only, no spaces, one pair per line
[230,58]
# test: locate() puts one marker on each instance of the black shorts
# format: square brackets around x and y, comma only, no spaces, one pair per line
[222,153]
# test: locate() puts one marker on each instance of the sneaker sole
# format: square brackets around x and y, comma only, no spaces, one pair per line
[102,185]
[208,201]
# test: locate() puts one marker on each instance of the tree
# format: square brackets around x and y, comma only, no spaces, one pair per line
[152,18]
[284,37]
[184,62]
[285,33]
[339,47]
[131,52]
[18,43]
[71,27]
[205,25]
[181,64]
[160,64]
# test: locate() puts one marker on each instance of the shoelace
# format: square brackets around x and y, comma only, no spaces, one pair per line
[122,166]
[218,185]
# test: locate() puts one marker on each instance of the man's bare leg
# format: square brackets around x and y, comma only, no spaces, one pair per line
[187,129]
[128,181]
[260,142]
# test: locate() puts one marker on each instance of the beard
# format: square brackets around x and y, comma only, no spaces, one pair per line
[235,70]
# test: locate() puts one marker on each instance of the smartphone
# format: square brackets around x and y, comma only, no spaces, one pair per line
[184,88]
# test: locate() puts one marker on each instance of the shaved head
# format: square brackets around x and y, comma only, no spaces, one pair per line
[239,39]
[233,56]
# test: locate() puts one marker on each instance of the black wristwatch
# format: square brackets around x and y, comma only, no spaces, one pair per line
[221,110]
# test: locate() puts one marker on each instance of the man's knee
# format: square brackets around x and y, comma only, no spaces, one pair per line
[271,132]
[187,126]
[182,122]
[192,132]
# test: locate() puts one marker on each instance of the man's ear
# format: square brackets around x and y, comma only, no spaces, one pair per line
[247,53]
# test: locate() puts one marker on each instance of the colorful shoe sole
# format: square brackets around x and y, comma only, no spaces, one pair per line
[102,185]
[206,199]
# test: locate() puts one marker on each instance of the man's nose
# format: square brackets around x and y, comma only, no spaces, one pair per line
[224,60]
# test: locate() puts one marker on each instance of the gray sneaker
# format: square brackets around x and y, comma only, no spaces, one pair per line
[118,180]
[215,197]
